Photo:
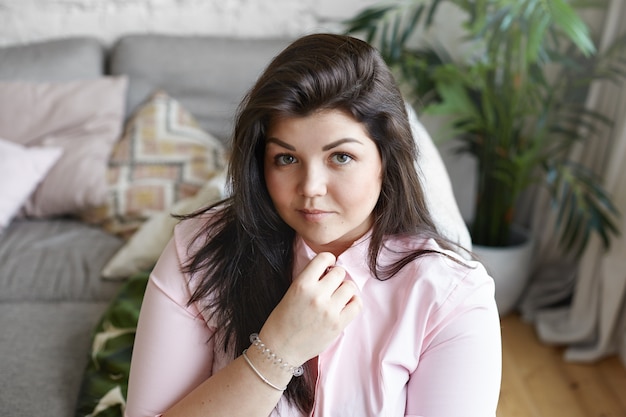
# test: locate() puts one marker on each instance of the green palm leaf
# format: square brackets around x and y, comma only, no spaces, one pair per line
[516,103]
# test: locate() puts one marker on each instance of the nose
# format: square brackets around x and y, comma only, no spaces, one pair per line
[312,182]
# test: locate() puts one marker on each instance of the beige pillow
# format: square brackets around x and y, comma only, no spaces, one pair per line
[84,118]
[144,247]
[163,157]
[438,191]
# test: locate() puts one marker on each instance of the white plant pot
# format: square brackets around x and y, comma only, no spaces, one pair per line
[509,267]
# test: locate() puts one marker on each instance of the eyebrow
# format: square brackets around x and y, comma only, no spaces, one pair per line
[325,148]
[340,142]
[281,143]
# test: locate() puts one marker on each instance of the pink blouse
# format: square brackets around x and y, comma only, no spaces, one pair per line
[426,343]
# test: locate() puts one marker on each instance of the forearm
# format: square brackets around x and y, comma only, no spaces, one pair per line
[236,390]
[175,369]
[172,368]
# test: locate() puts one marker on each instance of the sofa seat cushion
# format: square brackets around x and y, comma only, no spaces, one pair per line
[43,353]
[55,260]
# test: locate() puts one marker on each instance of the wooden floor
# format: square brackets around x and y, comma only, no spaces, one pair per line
[537,382]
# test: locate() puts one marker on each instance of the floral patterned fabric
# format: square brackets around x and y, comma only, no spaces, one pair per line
[105,382]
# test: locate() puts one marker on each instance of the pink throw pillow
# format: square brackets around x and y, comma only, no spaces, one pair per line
[84,118]
[21,170]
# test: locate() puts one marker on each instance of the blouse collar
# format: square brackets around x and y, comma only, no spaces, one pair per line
[354,259]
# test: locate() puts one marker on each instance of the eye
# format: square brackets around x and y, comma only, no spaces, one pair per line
[342,158]
[284,159]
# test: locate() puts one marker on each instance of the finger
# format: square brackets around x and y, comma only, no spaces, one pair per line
[332,279]
[344,293]
[326,287]
[317,267]
[351,310]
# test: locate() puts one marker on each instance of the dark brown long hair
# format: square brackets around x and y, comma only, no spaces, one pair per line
[245,266]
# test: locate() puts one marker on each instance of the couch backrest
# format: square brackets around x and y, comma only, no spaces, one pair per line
[55,60]
[208,75]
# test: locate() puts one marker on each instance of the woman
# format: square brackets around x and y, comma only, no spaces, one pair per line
[323,262]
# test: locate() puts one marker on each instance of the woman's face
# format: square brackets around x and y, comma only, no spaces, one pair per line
[324,176]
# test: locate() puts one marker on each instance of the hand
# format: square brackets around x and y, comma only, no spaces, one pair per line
[318,305]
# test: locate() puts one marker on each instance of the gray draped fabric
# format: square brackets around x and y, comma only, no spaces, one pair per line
[593,325]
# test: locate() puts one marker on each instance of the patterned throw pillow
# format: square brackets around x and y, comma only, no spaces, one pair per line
[142,250]
[163,157]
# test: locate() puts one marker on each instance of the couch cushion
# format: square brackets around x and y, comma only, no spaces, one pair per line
[55,60]
[209,75]
[43,353]
[82,117]
[52,260]
[144,247]
[163,157]
[21,170]
[105,382]
[437,187]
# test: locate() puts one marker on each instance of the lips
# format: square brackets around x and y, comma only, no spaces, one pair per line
[313,215]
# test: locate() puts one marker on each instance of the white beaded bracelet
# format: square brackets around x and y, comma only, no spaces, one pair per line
[265,351]
[259,374]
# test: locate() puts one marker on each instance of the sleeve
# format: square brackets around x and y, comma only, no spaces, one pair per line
[173,350]
[459,373]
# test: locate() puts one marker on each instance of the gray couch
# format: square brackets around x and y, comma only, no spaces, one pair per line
[51,293]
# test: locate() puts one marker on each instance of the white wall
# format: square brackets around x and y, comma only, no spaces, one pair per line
[27,20]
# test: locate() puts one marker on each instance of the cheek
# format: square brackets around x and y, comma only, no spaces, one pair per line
[361,192]
[276,187]
[375,189]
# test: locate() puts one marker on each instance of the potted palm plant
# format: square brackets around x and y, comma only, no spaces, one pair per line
[514,101]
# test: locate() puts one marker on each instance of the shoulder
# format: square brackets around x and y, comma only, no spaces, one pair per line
[441,278]
[169,274]
[192,233]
